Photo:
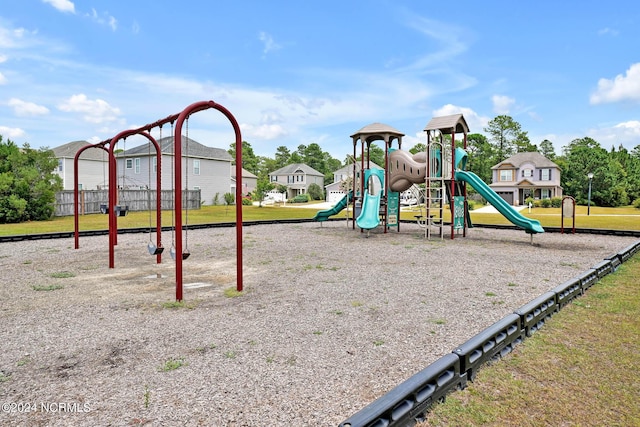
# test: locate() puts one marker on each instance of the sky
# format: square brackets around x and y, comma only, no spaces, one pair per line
[298,72]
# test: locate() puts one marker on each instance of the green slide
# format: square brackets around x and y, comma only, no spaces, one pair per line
[370,216]
[529,225]
[343,203]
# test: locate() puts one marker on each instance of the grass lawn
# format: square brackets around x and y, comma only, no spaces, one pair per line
[626,218]
[580,369]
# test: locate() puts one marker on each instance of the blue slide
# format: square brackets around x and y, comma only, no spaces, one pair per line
[529,225]
[370,215]
[343,203]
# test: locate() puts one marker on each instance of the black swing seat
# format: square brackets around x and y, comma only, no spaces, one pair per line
[154,250]
[122,210]
[185,253]
[104,209]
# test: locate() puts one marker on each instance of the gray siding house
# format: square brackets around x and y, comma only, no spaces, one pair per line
[297,178]
[93,170]
[203,168]
[333,193]
[526,175]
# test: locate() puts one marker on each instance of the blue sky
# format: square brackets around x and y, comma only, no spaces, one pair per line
[298,72]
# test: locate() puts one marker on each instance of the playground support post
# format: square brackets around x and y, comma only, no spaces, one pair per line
[76,220]
[193,108]
[113,181]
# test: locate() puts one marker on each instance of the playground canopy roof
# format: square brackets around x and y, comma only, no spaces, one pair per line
[377,131]
[454,123]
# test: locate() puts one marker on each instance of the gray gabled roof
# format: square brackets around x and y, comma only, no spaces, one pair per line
[455,123]
[291,169]
[190,148]
[69,151]
[534,157]
[349,168]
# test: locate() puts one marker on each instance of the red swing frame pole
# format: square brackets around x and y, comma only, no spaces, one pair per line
[193,108]
[113,180]
[76,220]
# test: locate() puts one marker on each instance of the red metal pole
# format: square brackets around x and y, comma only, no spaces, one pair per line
[76,221]
[453,179]
[193,108]
[153,141]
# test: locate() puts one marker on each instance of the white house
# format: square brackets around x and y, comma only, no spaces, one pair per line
[93,169]
[203,168]
[297,178]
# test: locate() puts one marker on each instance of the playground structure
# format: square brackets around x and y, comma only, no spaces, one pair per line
[440,168]
[179,252]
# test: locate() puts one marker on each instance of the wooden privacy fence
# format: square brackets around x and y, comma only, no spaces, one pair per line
[89,201]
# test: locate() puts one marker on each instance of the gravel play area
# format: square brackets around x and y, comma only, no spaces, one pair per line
[330,320]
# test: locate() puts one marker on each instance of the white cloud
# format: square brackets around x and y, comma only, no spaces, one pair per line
[265,131]
[268,43]
[626,134]
[3,58]
[103,19]
[24,108]
[62,5]
[11,132]
[502,104]
[608,31]
[621,88]
[94,111]
[475,122]
[3,79]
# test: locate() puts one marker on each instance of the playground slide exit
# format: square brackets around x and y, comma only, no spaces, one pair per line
[324,215]
[369,217]
[530,225]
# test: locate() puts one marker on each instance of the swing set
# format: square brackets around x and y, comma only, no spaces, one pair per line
[114,209]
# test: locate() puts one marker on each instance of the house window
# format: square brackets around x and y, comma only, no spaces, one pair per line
[545,193]
[129,163]
[545,174]
[60,165]
[137,162]
[506,175]
[527,173]
[196,167]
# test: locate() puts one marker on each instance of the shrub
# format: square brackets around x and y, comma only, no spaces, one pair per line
[300,198]
[556,202]
[636,203]
[545,203]
[246,202]
[315,192]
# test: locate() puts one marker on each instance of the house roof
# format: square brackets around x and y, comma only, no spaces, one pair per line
[454,123]
[349,168]
[69,151]
[292,168]
[377,131]
[534,157]
[190,148]
[245,173]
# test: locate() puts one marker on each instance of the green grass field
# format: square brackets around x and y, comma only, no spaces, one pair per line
[625,218]
[578,370]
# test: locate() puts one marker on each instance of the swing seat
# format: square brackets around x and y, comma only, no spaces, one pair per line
[185,253]
[104,209]
[154,250]
[122,210]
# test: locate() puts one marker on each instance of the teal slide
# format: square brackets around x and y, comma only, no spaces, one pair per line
[343,203]
[530,225]
[370,216]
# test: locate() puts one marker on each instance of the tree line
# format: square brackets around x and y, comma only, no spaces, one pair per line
[616,173]
[28,183]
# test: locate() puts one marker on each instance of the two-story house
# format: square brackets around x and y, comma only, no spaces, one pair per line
[526,175]
[297,178]
[204,168]
[93,169]
[333,191]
